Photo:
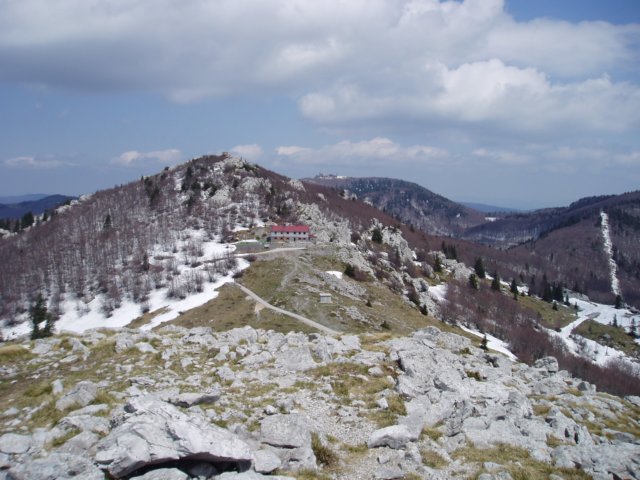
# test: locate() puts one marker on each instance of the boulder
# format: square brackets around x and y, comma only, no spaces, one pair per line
[265,461]
[81,395]
[153,432]
[548,364]
[395,436]
[14,443]
[286,431]
[187,400]
[57,466]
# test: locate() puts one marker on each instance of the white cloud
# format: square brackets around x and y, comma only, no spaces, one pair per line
[48,161]
[378,151]
[133,157]
[249,152]
[402,61]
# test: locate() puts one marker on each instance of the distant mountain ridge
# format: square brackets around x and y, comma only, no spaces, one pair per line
[37,205]
[563,243]
[408,202]
[483,207]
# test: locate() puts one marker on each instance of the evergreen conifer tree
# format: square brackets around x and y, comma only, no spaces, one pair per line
[495,283]
[513,288]
[479,268]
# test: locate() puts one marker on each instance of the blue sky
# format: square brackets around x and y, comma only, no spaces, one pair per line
[519,103]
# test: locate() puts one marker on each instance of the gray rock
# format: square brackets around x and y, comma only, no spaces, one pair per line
[295,359]
[395,436]
[187,400]
[81,395]
[265,461]
[288,431]
[250,475]
[15,443]
[388,472]
[163,474]
[81,445]
[154,432]
[548,364]
[57,466]
[57,387]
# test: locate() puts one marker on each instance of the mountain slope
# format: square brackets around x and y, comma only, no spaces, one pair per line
[408,202]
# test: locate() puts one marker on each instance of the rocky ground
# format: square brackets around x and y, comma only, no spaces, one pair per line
[190,403]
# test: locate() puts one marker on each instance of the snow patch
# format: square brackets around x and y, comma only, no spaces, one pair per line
[335,274]
[608,250]
[493,343]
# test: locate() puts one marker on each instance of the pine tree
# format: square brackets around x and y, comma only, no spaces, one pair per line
[484,343]
[38,314]
[27,220]
[479,268]
[437,264]
[376,235]
[473,281]
[495,283]
[514,287]
[618,302]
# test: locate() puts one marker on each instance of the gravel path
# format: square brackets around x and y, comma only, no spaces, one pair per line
[302,319]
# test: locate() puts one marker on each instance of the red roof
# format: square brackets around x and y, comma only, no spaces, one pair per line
[290,228]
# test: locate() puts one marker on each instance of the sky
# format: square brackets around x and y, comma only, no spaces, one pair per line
[516,103]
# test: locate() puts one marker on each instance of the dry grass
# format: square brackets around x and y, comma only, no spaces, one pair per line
[146,318]
[13,353]
[433,459]
[517,462]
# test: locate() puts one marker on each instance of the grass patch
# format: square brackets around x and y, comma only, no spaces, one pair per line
[13,353]
[541,410]
[432,432]
[609,336]
[550,318]
[351,380]
[433,459]
[324,454]
[67,436]
[146,318]
[37,390]
[517,462]
[48,415]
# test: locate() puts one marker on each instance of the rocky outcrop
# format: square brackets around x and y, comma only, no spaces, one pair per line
[153,432]
[246,403]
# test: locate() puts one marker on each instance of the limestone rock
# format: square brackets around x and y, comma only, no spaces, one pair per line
[57,466]
[187,400]
[265,461]
[287,431]
[549,364]
[155,432]
[81,395]
[395,436]
[15,443]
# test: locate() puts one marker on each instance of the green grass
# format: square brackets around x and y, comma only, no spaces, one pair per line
[609,336]
[550,318]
